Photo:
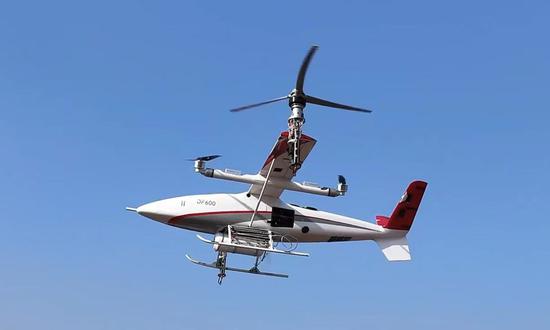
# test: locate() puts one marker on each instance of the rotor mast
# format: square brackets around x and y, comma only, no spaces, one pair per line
[297,103]
[295,122]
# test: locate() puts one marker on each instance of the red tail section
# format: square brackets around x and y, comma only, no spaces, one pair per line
[402,216]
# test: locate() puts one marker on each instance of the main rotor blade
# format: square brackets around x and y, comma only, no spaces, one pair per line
[325,103]
[258,104]
[303,69]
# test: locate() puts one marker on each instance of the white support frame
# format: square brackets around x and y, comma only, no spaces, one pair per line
[262,192]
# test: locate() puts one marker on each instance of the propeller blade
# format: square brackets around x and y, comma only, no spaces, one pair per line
[303,69]
[341,179]
[325,103]
[205,158]
[258,104]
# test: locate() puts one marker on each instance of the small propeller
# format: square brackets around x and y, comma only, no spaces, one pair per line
[341,179]
[205,158]
[297,95]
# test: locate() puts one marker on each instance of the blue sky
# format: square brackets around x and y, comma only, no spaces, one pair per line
[102,102]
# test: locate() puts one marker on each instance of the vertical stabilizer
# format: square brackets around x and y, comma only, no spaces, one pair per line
[403,215]
[395,249]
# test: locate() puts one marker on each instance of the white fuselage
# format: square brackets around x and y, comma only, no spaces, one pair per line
[213,212]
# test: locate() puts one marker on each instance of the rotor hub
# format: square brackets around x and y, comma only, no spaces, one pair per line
[296,98]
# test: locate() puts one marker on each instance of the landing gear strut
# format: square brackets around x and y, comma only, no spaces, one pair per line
[259,260]
[221,265]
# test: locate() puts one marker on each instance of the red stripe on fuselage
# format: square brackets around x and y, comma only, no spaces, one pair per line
[183,216]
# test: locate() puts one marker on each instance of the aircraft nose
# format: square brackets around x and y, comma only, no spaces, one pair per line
[154,211]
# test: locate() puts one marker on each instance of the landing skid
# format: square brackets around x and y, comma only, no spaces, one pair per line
[222,268]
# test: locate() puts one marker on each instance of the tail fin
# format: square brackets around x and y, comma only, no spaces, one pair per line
[403,215]
[396,247]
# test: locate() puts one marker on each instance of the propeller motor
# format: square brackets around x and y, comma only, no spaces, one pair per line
[200,161]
